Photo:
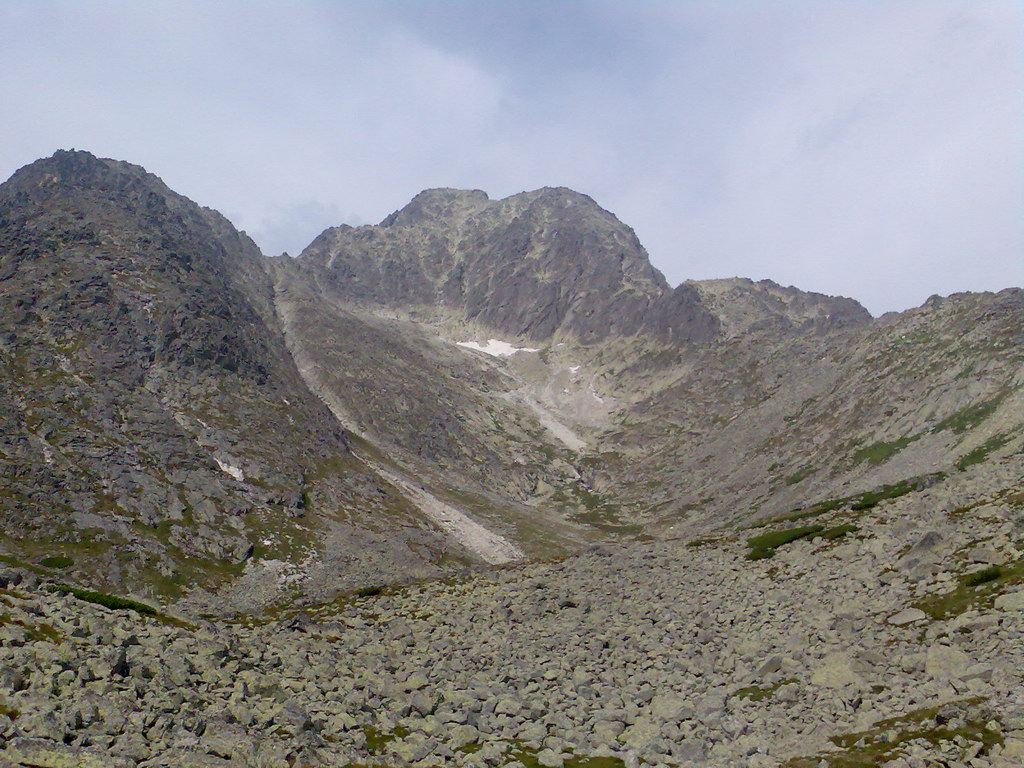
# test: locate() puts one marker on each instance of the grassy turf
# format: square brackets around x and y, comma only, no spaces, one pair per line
[887,739]
[981,453]
[764,546]
[978,589]
[107,601]
[880,452]
[57,561]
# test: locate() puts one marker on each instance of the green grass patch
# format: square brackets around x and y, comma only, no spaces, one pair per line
[377,741]
[792,517]
[760,693]
[975,590]
[528,757]
[14,562]
[114,602]
[764,546]
[57,561]
[880,452]
[41,631]
[857,502]
[981,453]
[969,417]
[886,739]
[593,509]
[872,498]
[697,543]
[368,592]
[983,576]
[828,505]
[838,531]
[806,513]
[799,476]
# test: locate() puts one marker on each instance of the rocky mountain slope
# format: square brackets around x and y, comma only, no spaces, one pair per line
[888,635]
[156,431]
[472,381]
[691,407]
[765,423]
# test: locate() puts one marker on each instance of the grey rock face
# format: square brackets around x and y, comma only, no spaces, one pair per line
[146,392]
[537,265]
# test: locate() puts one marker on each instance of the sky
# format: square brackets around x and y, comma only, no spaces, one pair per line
[851,147]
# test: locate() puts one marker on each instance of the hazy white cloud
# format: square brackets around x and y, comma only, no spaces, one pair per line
[864,148]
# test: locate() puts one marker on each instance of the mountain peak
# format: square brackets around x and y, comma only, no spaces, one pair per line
[76,167]
[71,176]
[535,264]
[440,203]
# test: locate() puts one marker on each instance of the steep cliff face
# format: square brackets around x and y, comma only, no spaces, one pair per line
[541,266]
[154,423]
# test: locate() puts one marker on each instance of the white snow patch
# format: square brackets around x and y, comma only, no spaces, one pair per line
[574,368]
[495,348]
[596,396]
[230,469]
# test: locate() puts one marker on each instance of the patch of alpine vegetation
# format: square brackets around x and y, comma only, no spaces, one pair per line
[949,732]
[900,644]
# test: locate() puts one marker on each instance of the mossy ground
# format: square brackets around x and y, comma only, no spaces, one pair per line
[975,590]
[57,561]
[528,757]
[591,508]
[857,502]
[967,418]
[698,543]
[529,760]
[39,631]
[799,476]
[887,739]
[760,693]
[764,546]
[879,453]
[982,452]
[377,741]
[117,603]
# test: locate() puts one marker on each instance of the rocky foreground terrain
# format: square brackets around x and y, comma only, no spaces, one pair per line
[863,632]
[475,487]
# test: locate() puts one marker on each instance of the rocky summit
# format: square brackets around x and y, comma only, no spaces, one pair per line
[476,486]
